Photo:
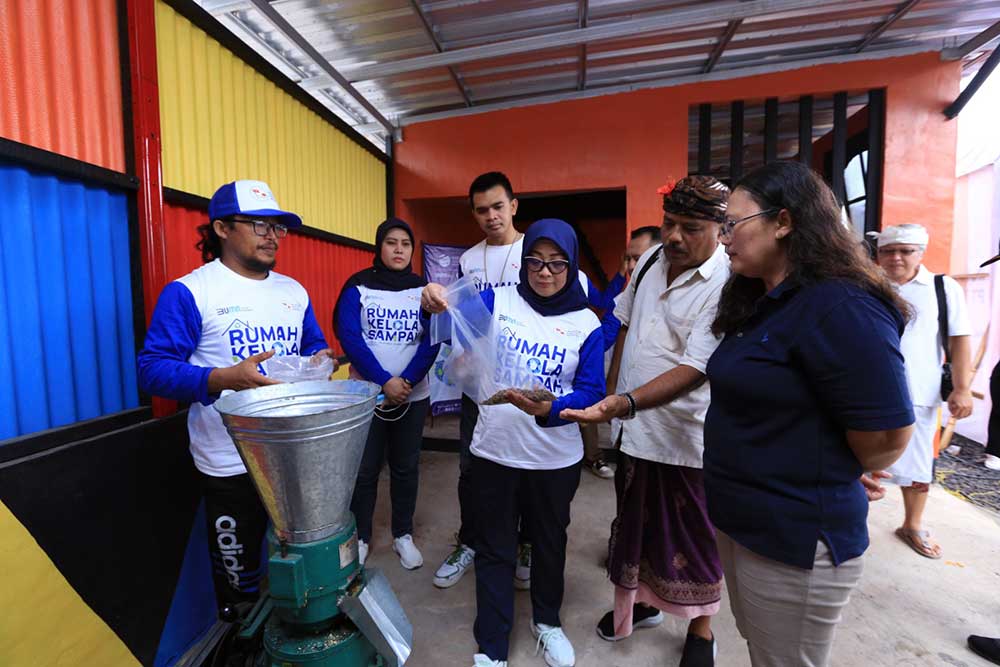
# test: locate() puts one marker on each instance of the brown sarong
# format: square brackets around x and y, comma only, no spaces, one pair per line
[662,551]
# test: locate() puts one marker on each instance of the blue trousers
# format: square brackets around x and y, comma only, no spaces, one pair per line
[501,494]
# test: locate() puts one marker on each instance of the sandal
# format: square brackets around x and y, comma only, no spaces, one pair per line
[919,541]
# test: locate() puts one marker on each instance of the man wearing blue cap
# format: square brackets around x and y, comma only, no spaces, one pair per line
[212,331]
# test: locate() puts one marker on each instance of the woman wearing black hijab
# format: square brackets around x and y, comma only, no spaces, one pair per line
[378,322]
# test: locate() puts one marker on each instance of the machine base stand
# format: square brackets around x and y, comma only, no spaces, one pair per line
[343,645]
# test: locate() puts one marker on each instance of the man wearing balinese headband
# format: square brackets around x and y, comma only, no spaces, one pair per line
[662,552]
[526,459]
[900,254]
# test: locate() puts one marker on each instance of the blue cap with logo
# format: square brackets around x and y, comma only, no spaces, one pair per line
[248,198]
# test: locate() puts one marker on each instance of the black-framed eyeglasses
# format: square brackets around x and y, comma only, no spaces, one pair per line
[262,227]
[728,224]
[555,266]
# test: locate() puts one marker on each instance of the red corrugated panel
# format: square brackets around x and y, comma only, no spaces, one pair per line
[60,69]
[322,267]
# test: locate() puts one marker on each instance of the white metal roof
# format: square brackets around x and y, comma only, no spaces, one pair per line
[381,64]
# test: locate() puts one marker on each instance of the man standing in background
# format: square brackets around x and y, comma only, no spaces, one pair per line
[641,240]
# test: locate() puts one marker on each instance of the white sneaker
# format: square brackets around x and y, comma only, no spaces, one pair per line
[454,567]
[409,555]
[482,660]
[522,572]
[362,551]
[558,650]
[992,462]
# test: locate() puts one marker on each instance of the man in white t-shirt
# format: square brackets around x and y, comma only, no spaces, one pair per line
[493,262]
[900,253]
[212,331]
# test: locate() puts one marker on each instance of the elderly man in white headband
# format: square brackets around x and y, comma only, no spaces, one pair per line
[900,252]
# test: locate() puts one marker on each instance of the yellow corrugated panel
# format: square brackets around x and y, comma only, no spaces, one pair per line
[53,626]
[221,120]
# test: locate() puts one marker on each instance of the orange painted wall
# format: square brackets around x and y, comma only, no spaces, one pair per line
[606,238]
[60,69]
[638,139]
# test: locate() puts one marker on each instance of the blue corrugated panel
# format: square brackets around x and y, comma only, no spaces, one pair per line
[65,303]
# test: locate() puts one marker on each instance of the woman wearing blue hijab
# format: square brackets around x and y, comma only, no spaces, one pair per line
[526,460]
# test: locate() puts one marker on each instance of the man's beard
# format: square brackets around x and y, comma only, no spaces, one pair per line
[260,266]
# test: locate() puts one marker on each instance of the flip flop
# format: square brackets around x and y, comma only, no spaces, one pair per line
[919,541]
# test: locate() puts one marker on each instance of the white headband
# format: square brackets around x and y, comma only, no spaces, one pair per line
[908,234]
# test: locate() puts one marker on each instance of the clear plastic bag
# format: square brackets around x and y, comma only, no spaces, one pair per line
[466,324]
[293,368]
[475,362]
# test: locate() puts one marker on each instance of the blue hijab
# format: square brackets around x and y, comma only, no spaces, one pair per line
[571,297]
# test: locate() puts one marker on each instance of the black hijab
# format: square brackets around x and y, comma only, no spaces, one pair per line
[380,276]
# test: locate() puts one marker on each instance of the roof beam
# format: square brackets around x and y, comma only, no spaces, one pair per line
[962,50]
[283,26]
[415,4]
[692,15]
[727,37]
[984,72]
[666,82]
[885,25]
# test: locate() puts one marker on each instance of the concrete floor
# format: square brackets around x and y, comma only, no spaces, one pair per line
[908,610]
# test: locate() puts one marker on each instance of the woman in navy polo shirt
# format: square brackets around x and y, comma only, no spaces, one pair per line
[808,393]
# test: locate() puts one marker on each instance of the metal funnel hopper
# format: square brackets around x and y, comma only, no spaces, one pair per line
[302,444]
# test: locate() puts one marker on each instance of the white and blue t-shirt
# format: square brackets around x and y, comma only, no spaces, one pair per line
[384,336]
[561,353]
[213,318]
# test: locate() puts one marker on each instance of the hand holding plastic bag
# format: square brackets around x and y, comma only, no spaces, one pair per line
[293,368]
[466,323]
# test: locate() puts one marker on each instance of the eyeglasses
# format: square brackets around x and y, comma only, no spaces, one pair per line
[555,266]
[728,224]
[889,252]
[262,227]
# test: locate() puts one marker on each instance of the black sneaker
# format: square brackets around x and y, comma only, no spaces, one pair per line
[698,652]
[642,617]
[985,647]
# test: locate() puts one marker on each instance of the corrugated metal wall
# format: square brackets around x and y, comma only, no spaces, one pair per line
[60,69]
[322,267]
[221,121]
[65,303]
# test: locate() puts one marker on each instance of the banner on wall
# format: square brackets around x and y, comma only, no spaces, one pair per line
[441,266]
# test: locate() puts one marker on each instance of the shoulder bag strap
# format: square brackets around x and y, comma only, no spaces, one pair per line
[942,302]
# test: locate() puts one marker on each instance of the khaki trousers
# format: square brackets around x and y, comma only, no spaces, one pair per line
[787,615]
